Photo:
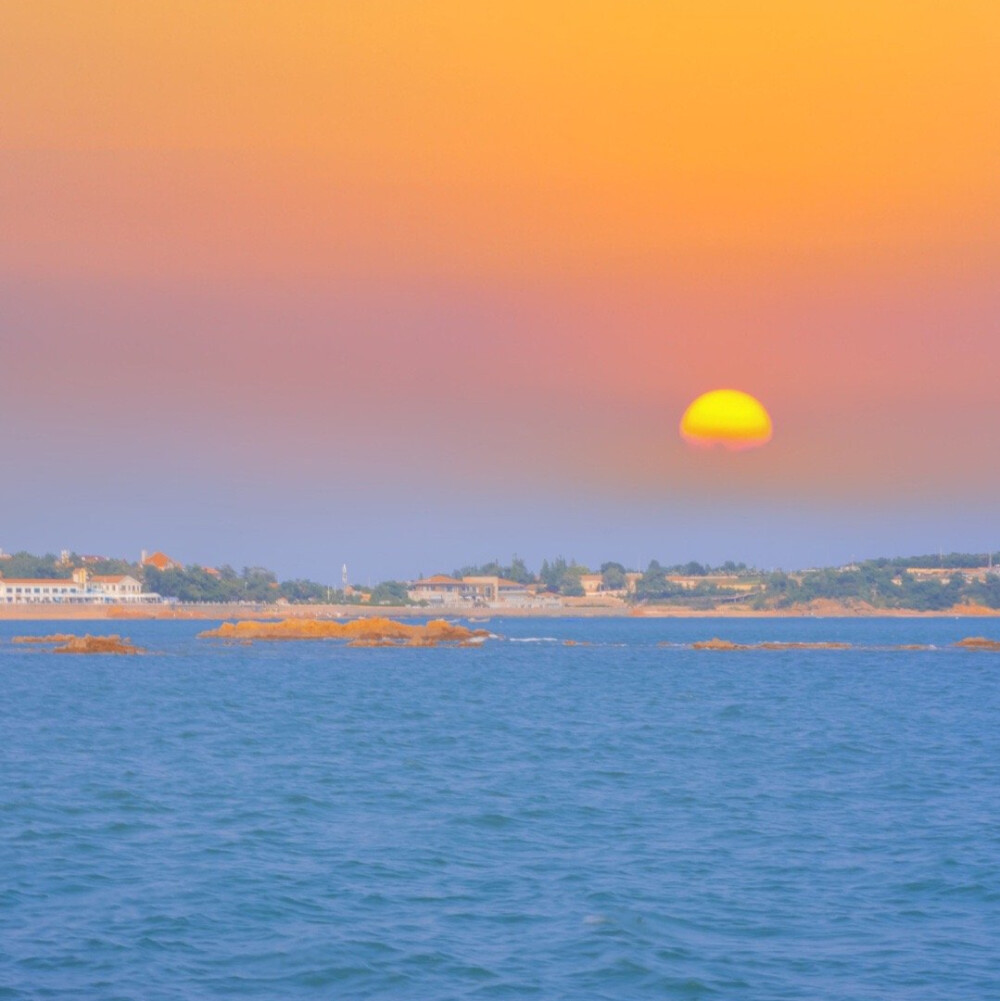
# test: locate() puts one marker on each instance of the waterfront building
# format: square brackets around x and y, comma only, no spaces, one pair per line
[478,590]
[439,589]
[20,590]
[80,588]
[121,587]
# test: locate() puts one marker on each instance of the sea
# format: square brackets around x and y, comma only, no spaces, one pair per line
[615,817]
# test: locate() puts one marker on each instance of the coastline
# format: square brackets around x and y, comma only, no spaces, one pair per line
[46,612]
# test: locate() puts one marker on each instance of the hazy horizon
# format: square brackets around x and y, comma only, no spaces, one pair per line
[406,286]
[789,540]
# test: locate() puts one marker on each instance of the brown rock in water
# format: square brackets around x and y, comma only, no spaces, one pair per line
[770,645]
[717,644]
[376,631]
[978,643]
[98,644]
[53,638]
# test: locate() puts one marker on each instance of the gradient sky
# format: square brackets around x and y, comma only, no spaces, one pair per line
[417,284]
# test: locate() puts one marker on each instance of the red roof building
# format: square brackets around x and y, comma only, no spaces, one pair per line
[160,561]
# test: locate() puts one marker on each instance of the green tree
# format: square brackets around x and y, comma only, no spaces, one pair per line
[551,574]
[259,584]
[37,567]
[613,576]
[518,571]
[300,590]
[654,586]
[390,592]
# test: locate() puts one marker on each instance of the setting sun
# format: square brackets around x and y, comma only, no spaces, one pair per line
[726,417]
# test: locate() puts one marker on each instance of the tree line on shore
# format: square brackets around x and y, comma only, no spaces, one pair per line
[192,583]
[881,583]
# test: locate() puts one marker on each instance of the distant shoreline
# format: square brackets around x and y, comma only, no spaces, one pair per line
[44,612]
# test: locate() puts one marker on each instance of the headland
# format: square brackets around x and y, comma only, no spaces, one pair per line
[74,587]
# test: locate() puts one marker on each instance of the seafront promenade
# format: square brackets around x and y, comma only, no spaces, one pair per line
[210,611]
[51,611]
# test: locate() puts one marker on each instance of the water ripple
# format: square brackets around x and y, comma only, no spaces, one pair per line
[625,819]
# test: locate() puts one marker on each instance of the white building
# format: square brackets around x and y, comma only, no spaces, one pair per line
[121,587]
[81,588]
[439,590]
[21,590]
[493,591]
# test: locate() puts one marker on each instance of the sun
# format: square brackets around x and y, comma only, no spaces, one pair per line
[726,417]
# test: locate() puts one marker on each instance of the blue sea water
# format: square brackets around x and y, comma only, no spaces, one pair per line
[618,820]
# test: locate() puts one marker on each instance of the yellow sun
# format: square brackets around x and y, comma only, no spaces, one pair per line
[726,417]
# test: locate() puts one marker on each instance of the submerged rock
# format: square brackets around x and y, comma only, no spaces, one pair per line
[823,645]
[718,644]
[53,638]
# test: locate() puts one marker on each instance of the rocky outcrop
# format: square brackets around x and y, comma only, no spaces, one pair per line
[717,644]
[69,643]
[979,643]
[98,644]
[372,632]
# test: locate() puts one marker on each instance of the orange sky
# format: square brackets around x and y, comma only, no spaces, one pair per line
[495,139]
[571,218]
